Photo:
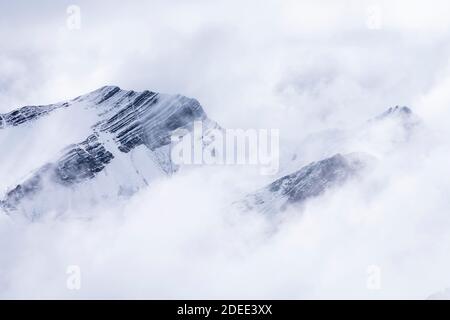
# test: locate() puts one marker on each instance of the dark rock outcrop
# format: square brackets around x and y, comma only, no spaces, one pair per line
[310,181]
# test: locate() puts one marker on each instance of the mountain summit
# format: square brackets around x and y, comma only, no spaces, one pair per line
[126,145]
[108,144]
[310,181]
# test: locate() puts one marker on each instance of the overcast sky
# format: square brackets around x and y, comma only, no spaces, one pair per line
[250,63]
[298,66]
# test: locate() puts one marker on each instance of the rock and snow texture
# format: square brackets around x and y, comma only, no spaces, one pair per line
[124,144]
[399,112]
[110,143]
[344,153]
[378,137]
[310,181]
[25,114]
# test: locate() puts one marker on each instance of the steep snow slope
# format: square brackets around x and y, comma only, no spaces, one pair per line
[110,143]
[378,136]
[125,145]
[372,140]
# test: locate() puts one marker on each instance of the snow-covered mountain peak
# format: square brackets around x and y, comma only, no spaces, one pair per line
[308,182]
[124,145]
[396,111]
[403,115]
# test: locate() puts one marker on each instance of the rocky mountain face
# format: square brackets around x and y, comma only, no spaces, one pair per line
[127,146]
[308,182]
[397,111]
[380,135]
[388,131]
[25,114]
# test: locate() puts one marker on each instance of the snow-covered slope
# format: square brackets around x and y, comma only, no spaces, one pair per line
[403,113]
[378,136]
[110,143]
[345,154]
[308,182]
[125,144]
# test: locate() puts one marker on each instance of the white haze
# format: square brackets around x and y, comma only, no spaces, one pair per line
[300,66]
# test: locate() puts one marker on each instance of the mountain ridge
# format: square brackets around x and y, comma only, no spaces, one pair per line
[129,122]
[127,146]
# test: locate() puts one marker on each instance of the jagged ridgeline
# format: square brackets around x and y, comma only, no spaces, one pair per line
[131,130]
[125,144]
[308,182]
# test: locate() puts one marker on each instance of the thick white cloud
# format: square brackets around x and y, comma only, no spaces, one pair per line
[300,66]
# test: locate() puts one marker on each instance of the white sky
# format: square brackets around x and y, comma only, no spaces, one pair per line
[250,63]
[299,66]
